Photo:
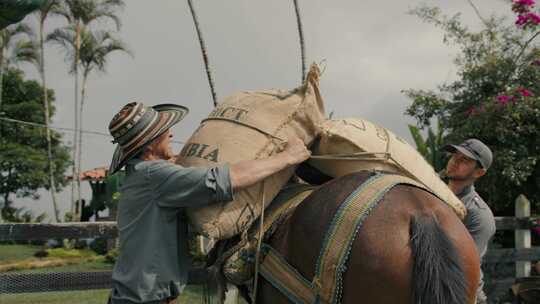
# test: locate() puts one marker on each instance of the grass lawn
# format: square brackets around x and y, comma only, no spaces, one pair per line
[192,294]
[11,253]
[17,252]
[80,267]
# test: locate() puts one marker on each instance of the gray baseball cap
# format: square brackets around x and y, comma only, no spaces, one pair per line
[474,149]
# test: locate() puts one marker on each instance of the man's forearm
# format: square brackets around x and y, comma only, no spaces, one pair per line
[248,172]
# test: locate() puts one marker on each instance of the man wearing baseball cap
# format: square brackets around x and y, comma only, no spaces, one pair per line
[470,160]
[153,263]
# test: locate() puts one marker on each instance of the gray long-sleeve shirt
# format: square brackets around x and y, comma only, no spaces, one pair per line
[479,221]
[154,259]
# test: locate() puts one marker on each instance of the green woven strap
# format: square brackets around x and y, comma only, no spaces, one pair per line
[286,278]
[344,227]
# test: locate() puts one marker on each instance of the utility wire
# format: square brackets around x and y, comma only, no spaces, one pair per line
[34,124]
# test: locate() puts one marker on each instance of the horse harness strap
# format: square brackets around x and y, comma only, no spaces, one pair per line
[327,286]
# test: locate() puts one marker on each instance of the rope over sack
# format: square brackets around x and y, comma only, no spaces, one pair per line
[251,125]
[327,285]
[353,144]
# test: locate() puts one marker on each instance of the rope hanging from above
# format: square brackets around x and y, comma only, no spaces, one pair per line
[205,55]
[301,38]
[203,51]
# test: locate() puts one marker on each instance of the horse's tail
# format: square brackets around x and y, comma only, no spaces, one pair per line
[438,276]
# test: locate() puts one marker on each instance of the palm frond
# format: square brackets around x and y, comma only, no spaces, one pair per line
[26,51]
[65,39]
[96,47]
[50,7]
[88,11]
[14,32]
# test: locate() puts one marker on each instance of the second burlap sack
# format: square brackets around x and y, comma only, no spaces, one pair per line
[352,144]
[246,126]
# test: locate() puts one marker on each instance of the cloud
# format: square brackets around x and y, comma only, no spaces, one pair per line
[373,50]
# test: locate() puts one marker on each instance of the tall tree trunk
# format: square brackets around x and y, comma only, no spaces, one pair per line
[301,39]
[52,186]
[1,110]
[1,95]
[79,160]
[5,207]
[1,78]
[203,51]
[75,181]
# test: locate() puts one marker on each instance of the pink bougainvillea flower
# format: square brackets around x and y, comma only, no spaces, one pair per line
[521,20]
[503,99]
[536,62]
[533,18]
[536,230]
[524,2]
[522,6]
[527,19]
[524,92]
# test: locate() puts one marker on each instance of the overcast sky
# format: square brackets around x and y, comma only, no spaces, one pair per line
[372,50]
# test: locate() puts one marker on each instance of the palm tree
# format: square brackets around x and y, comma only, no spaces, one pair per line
[79,14]
[48,7]
[15,47]
[95,49]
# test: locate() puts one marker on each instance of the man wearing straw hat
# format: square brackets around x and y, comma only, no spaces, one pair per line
[470,160]
[153,261]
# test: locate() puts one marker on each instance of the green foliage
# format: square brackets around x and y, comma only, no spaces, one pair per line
[495,99]
[23,215]
[112,256]
[23,148]
[14,11]
[99,246]
[430,148]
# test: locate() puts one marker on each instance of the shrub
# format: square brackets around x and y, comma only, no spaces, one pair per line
[99,246]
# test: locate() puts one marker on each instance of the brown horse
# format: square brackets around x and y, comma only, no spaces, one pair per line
[411,249]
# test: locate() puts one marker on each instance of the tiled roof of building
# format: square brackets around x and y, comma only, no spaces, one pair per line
[95,174]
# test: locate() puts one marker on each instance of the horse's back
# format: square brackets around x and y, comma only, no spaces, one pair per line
[380,265]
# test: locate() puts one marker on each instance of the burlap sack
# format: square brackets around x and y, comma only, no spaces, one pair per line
[351,145]
[251,125]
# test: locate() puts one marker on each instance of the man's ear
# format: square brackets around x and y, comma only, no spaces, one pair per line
[479,172]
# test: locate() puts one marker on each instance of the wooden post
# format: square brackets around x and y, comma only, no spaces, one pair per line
[231,296]
[202,244]
[205,244]
[522,236]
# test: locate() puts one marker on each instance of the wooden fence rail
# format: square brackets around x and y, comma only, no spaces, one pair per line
[521,255]
[72,230]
